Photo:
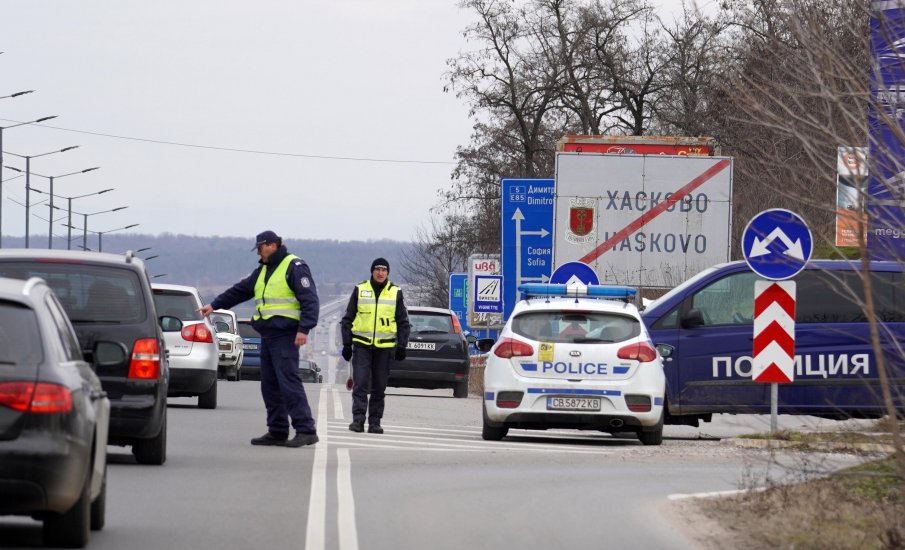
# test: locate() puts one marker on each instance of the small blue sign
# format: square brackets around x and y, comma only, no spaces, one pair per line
[488,294]
[458,297]
[574,272]
[526,235]
[777,244]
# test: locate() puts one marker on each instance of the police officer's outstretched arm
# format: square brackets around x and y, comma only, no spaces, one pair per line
[302,284]
[240,292]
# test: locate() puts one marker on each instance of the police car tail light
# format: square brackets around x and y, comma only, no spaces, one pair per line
[36,397]
[638,403]
[457,328]
[145,362]
[509,399]
[510,347]
[640,351]
[197,333]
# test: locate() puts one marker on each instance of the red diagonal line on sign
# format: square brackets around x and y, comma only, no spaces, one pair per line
[773,374]
[655,211]
[774,294]
[775,333]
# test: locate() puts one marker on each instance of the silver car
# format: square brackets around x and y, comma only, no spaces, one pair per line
[230,345]
[192,351]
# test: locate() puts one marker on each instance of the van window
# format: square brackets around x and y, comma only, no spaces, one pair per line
[838,297]
[727,301]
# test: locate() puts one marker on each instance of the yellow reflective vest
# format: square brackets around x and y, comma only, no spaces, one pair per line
[275,297]
[375,321]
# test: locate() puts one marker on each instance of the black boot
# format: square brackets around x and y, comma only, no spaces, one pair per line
[271,439]
[374,428]
[357,426]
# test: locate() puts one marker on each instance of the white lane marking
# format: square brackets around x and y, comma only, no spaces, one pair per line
[712,494]
[337,405]
[435,444]
[317,501]
[345,515]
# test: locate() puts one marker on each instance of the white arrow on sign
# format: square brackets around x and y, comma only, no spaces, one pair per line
[794,249]
[517,216]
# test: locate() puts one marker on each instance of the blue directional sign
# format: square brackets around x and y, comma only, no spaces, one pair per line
[458,297]
[574,272]
[777,244]
[527,241]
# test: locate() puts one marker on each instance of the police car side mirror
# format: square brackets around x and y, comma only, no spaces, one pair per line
[694,318]
[484,344]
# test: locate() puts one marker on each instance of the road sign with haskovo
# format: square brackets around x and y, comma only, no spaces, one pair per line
[777,244]
[526,235]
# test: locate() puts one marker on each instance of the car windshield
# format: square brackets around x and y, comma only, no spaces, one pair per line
[89,293]
[430,322]
[576,327]
[247,331]
[307,365]
[177,303]
[20,338]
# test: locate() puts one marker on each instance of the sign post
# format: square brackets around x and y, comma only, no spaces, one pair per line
[777,244]
[458,297]
[526,235]
[485,298]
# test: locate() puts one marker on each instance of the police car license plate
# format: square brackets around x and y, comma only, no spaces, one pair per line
[250,346]
[573,403]
[430,346]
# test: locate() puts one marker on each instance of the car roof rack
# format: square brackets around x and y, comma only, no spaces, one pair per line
[548,290]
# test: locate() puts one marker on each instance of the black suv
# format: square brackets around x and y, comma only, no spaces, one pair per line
[437,354]
[108,297]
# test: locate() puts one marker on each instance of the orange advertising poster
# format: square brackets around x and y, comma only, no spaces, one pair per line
[851,174]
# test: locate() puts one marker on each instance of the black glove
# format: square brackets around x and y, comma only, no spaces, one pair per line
[347,353]
[400,354]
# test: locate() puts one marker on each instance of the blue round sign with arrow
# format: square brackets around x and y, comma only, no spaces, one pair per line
[777,244]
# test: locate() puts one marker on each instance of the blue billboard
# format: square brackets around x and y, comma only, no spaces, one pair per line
[526,235]
[458,297]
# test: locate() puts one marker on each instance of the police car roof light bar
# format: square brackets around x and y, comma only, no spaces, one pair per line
[591,291]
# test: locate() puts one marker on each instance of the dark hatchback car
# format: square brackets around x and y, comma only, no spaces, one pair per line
[437,354]
[251,342]
[310,372]
[54,417]
[108,297]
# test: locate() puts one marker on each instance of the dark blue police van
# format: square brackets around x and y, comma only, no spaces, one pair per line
[703,329]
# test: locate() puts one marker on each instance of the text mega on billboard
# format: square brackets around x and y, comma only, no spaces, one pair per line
[642,220]
[639,145]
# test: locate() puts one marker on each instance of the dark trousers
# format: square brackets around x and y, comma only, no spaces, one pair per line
[282,388]
[370,370]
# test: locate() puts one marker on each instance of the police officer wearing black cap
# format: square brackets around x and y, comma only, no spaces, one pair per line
[375,328]
[286,309]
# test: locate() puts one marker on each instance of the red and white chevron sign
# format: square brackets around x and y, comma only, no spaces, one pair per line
[774,332]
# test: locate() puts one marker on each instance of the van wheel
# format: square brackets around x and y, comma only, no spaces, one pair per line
[208,399]
[99,506]
[492,433]
[152,451]
[71,528]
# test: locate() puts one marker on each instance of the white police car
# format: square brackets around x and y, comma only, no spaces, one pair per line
[574,357]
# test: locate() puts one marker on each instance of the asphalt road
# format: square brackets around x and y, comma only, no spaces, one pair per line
[429,482]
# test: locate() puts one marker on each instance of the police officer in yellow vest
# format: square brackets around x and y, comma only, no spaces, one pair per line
[286,309]
[375,329]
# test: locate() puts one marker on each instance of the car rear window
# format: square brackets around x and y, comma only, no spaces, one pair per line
[576,327]
[430,322]
[177,303]
[89,293]
[222,318]
[20,337]
[305,364]
[247,331]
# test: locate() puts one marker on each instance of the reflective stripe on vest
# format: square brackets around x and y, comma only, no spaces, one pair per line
[275,297]
[375,322]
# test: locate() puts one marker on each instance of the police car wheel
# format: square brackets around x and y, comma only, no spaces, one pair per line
[652,438]
[492,433]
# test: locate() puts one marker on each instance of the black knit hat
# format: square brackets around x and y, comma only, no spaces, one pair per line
[380,262]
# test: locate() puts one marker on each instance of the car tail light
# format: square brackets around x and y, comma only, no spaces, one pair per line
[35,397]
[510,347]
[457,328]
[197,333]
[145,362]
[638,403]
[640,351]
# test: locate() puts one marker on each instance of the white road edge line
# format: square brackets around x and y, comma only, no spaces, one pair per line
[345,516]
[317,501]
[337,405]
[683,496]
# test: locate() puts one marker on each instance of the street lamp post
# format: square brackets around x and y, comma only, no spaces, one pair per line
[52,195]
[85,229]
[69,209]
[100,234]
[1,158]
[28,180]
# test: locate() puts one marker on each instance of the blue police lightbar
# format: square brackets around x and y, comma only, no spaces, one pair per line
[592,291]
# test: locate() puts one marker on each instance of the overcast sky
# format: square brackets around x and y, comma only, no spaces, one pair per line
[305,87]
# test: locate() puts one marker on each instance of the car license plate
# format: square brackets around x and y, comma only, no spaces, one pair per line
[430,346]
[250,346]
[573,403]
[224,346]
